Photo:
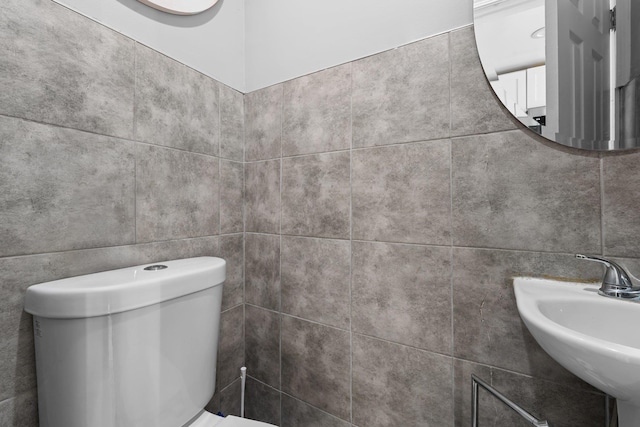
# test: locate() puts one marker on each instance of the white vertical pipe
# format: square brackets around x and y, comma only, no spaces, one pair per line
[243,381]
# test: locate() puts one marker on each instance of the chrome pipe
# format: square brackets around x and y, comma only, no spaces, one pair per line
[475,382]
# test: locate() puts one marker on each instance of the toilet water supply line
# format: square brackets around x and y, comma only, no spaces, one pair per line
[243,381]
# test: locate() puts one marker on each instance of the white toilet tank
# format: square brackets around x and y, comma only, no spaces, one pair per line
[133,347]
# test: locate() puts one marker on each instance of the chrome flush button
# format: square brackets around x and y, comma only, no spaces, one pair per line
[156,267]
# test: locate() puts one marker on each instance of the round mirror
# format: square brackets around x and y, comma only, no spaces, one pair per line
[180,7]
[567,69]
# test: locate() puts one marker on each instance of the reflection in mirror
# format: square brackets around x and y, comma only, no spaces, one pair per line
[567,69]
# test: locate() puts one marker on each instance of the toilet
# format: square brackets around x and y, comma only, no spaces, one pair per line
[134,347]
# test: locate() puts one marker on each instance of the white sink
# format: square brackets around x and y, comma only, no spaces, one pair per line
[594,337]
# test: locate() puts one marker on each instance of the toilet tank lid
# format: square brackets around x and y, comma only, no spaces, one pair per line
[125,289]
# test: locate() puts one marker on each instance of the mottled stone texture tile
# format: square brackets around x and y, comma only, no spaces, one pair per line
[20,411]
[262,402]
[394,385]
[17,371]
[402,293]
[62,189]
[316,365]
[315,279]
[262,269]
[315,195]
[231,197]
[59,67]
[232,251]
[262,347]
[176,106]
[176,194]
[402,95]
[296,413]
[230,347]
[317,112]
[487,404]
[229,399]
[231,124]
[262,196]
[487,326]
[474,107]
[512,192]
[556,403]
[621,205]
[263,123]
[402,193]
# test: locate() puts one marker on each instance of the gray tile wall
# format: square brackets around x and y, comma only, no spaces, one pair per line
[111,155]
[390,201]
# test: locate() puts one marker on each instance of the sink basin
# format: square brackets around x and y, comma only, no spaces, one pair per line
[594,337]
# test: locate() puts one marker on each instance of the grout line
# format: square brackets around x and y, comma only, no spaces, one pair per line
[280,318]
[478,248]
[451,260]
[116,137]
[219,196]
[134,130]
[351,252]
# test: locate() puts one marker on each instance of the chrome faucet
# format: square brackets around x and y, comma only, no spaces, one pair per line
[616,282]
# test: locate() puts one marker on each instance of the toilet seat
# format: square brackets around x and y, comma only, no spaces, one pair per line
[207,419]
[231,421]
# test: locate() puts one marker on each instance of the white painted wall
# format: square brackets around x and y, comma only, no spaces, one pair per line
[251,44]
[289,38]
[211,42]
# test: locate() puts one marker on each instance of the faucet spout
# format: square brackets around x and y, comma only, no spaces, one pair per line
[615,282]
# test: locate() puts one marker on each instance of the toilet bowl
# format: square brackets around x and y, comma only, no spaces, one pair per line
[134,347]
[207,419]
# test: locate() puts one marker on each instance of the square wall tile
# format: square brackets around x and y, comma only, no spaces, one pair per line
[402,193]
[263,123]
[394,385]
[57,184]
[513,192]
[402,293]
[262,258]
[316,365]
[262,402]
[296,413]
[176,106]
[60,67]
[232,251]
[475,108]
[231,123]
[317,112]
[231,197]
[316,195]
[262,196]
[230,399]
[20,411]
[402,95]
[315,279]
[262,345]
[176,194]
[488,406]
[487,327]
[17,353]
[621,205]
[230,347]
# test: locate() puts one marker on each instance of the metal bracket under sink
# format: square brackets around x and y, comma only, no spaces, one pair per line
[477,382]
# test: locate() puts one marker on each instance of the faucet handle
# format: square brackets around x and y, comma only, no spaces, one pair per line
[615,277]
